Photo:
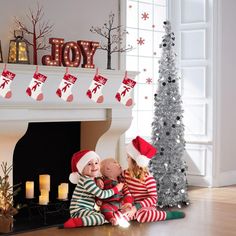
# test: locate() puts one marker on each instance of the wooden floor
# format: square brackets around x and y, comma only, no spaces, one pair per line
[212,212]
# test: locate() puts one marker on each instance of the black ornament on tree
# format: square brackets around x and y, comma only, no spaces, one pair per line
[164,83]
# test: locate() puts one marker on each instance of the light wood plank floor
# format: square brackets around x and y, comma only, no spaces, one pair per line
[212,212]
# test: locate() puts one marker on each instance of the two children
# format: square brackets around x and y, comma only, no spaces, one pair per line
[85,167]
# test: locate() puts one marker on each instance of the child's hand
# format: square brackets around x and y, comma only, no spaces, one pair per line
[131,212]
[119,186]
[126,207]
[100,183]
[99,202]
[113,221]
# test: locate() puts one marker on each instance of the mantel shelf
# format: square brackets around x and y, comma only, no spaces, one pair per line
[29,69]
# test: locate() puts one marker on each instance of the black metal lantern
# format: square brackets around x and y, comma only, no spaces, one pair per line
[18,49]
[1,59]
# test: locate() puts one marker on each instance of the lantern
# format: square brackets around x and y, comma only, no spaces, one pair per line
[1,59]
[18,49]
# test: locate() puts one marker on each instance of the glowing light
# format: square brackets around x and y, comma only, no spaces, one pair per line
[123,222]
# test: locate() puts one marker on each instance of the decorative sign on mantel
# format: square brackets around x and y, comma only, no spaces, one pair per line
[69,54]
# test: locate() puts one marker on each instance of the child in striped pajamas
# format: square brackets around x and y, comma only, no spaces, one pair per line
[142,185]
[110,207]
[85,167]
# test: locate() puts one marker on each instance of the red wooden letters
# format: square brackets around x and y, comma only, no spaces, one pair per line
[69,54]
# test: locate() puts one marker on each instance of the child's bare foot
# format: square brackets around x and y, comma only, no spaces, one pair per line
[113,221]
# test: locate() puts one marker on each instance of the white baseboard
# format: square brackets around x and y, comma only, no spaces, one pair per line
[222,179]
[226,178]
[197,180]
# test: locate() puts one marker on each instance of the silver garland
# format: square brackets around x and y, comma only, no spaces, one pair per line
[168,167]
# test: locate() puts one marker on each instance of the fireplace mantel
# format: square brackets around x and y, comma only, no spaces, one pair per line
[20,109]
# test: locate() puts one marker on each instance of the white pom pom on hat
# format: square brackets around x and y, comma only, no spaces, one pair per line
[79,160]
[141,151]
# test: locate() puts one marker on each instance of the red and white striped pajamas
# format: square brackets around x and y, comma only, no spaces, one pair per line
[145,198]
[111,206]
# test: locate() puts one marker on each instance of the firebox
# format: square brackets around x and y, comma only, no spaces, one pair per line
[45,149]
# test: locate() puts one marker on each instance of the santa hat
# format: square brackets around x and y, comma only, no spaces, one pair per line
[79,160]
[141,151]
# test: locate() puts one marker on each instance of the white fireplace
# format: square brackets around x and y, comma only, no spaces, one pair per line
[20,109]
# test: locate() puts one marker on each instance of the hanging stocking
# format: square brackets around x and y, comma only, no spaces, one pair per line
[35,87]
[124,93]
[95,90]
[5,82]
[64,90]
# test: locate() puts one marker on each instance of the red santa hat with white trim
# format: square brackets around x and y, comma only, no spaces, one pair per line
[79,160]
[141,151]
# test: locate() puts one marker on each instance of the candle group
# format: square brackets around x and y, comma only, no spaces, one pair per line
[44,187]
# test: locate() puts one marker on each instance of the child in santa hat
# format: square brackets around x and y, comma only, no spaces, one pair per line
[85,167]
[142,185]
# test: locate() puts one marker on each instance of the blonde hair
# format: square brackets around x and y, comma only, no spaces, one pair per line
[137,171]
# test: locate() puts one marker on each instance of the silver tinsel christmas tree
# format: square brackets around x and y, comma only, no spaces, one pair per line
[168,166]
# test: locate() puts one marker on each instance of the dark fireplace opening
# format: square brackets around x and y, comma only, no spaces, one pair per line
[46,148]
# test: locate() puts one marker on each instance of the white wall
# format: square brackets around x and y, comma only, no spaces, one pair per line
[72,20]
[226,84]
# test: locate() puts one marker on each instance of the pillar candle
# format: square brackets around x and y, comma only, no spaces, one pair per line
[44,182]
[43,200]
[65,186]
[63,191]
[45,194]
[29,189]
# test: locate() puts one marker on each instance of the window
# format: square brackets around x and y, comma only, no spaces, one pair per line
[192,23]
[145,29]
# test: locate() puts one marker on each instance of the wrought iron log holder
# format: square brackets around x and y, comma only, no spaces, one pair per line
[60,207]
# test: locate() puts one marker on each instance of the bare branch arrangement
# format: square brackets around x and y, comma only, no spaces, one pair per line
[39,30]
[7,192]
[114,36]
